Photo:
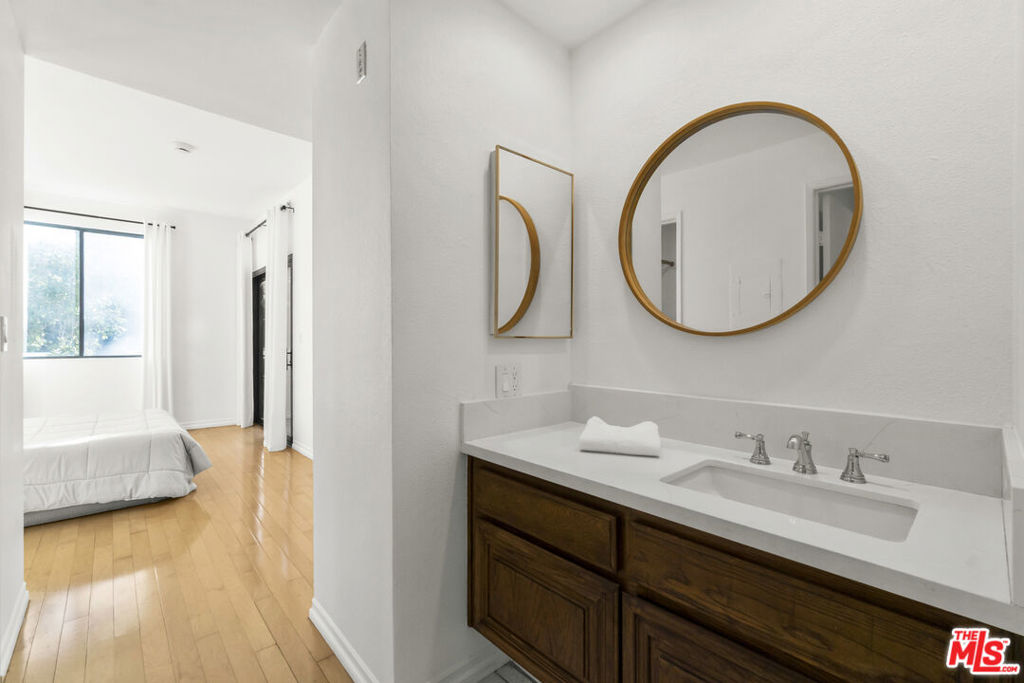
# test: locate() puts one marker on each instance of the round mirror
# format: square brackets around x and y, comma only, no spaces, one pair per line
[740,219]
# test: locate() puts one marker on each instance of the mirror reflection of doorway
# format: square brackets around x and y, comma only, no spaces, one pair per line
[833,211]
[671,267]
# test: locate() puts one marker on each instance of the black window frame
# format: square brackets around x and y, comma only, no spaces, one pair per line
[81,287]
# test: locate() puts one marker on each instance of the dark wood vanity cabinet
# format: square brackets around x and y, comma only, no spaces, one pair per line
[658,645]
[575,588]
[542,608]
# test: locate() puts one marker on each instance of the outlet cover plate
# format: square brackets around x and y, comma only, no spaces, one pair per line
[508,379]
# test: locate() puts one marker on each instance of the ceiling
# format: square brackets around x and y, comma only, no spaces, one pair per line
[735,136]
[572,22]
[90,138]
[246,59]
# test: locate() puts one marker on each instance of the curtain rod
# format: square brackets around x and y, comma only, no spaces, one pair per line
[89,215]
[284,207]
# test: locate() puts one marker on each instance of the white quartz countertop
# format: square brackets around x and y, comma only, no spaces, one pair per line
[954,556]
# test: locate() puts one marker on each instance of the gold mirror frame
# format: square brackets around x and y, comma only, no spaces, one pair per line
[531,284]
[650,168]
[501,330]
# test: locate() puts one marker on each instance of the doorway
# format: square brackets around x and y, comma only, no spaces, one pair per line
[672,267]
[259,346]
[833,214]
[259,342]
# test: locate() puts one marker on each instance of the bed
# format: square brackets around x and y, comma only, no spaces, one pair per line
[77,466]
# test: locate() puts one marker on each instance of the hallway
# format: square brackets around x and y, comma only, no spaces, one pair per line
[214,586]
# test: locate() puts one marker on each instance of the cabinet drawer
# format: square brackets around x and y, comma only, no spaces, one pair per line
[828,634]
[659,647]
[577,530]
[559,621]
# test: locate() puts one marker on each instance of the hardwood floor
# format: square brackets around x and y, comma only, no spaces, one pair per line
[215,586]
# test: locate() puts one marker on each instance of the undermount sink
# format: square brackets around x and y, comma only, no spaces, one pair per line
[873,514]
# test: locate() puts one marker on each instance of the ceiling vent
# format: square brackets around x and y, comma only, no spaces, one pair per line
[184,147]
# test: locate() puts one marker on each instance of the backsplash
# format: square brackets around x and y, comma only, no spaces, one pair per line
[958,456]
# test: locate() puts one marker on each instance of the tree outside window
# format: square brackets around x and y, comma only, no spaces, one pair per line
[83,292]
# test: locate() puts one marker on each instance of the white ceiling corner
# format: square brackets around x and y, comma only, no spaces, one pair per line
[572,22]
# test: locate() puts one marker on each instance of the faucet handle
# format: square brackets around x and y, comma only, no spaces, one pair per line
[760,455]
[797,440]
[852,473]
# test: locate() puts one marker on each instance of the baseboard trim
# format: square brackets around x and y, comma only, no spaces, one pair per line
[340,646]
[12,629]
[474,670]
[206,424]
[302,449]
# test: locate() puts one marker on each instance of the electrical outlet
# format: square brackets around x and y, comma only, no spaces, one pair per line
[516,371]
[507,378]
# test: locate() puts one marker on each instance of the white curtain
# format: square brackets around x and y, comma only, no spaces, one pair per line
[243,323]
[156,353]
[275,392]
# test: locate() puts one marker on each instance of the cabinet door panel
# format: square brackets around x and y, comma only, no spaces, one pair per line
[559,621]
[834,635]
[659,647]
[569,527]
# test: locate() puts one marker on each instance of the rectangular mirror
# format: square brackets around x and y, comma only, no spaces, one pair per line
[533,248]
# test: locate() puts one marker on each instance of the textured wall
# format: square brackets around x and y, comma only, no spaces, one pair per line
[495,80]
[352,536]
[12,85]
[919,321]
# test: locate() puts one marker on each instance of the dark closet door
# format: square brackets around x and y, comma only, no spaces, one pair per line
[259,339]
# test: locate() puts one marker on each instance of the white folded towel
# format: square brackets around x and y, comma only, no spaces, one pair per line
[601,437]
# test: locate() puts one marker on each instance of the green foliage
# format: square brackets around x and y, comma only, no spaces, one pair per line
[107,323]
[52,298]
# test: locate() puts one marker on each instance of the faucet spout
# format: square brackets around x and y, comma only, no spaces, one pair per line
[802,445]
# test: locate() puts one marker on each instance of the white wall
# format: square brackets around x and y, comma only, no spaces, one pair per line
[494,80]
[203,298]
[203,327]
[919,321]
[12,586]
[352,501]
[73,386]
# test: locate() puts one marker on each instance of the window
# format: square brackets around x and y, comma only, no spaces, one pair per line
[83,291]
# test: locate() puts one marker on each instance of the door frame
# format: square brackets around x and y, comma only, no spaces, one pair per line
[257,275]
[812,190]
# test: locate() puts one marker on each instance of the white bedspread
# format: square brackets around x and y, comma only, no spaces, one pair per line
[107,458]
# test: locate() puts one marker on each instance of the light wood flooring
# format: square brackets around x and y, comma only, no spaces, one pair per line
[215,586]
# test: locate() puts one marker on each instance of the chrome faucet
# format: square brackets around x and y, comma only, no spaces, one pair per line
[760,455]
[852,472]
[801,443]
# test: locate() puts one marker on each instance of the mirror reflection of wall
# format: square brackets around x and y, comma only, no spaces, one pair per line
[532,300]
[742,220]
